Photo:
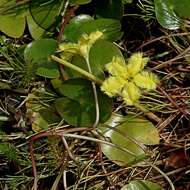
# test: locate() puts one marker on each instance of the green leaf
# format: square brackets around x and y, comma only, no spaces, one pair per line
[78,105]
[35,30]
[44,13]
[12,25]
[73,30]
[56,83]
[70,111]
[137,128]
[182,7]
[50,115]
[85,24]
[141,185]
[101,53]
[38,52]
[44,119]
[109,9]
[166,15]
[38,122]
[110,27]
[12,22]
[78,2]
[78,61]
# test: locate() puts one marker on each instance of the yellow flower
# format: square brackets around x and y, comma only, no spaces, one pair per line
[86,42]
[69,48]
[128,79]
[130,93]
[83,46]
[136,63]
[112,86]
[146,79]
[117,67]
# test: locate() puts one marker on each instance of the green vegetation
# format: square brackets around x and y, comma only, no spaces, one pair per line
[94,94]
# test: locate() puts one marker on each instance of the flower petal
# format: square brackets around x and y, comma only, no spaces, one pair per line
[66,56]
[136,63]
[70,48]
[94,36]
[83,46]
[113,86]
[146,80]
[117,67]
[86,42]
[130,93]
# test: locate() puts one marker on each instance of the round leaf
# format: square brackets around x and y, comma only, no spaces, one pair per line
[12,25]
[138,127]
[129,126]
[101,53]
[166,15]
[45,13]
[73,29]
[35,30]
[38,52]
[78,106]
[85,24]
[141,185]
[71,112]
[110,27]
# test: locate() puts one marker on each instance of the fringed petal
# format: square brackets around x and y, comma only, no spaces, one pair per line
[112,86]
[130,93]
[146,80]
[136,63]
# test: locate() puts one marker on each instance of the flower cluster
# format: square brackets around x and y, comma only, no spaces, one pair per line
[82,47]
[128,80]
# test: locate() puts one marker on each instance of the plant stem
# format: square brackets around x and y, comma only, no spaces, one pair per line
[78,69]
[100,141]
[148,113]
[95,94]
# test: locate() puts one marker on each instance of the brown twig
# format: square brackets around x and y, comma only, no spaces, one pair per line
[66,18]
[173,60]
[162,37]
[53,132]
[167,121]
[31,149]
[103,168]
[172,101]
[148,113]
